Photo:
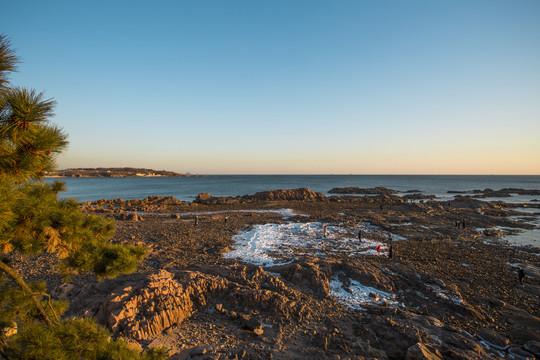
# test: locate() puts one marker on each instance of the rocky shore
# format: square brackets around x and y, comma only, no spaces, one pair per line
[293,274]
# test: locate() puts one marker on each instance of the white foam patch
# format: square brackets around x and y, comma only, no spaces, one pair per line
[355,295]
[278,244]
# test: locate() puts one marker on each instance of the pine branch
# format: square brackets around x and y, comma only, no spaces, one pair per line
[50,306]
[24,286]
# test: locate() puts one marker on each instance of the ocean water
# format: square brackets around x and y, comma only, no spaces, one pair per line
[186,189]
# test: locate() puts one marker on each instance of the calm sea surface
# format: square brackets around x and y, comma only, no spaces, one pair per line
[87,189]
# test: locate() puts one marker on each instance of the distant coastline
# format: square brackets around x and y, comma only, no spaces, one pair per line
[114,173]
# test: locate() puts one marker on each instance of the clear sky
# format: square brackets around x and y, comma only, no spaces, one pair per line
[288,86]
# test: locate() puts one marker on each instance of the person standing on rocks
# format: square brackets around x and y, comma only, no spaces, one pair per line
[390,252]
[521,276]
[325,231]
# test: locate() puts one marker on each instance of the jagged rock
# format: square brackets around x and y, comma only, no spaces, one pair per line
[310,275]
[141,306]
[419,352]
[160,302]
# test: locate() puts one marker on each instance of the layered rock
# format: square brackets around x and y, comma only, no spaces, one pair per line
[156,304]
[149,304]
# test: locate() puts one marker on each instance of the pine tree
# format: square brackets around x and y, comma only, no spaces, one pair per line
[33,220]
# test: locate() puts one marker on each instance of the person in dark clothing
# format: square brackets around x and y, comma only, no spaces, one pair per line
[521,275]
[360,235]
[390,252]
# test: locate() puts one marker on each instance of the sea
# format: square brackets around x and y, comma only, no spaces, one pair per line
[187,188]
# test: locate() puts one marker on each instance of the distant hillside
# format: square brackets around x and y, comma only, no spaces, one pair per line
[115,172]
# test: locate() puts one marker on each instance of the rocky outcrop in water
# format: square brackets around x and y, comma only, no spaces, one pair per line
[505,192]
[303,194]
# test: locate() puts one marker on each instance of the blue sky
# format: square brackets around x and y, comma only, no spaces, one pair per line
[288,87]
